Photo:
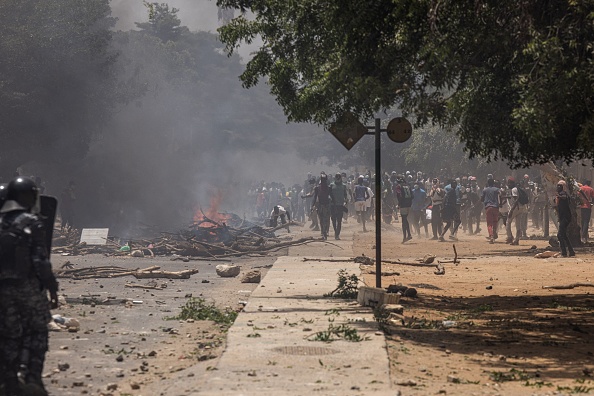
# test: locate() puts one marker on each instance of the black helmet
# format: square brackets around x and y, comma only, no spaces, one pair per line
[22,190]
[2,193]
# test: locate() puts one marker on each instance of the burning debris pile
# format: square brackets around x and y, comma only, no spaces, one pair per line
[213,236]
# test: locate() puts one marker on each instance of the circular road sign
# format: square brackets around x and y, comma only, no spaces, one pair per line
[399,129]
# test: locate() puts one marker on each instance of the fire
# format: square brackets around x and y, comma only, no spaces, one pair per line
[213,211]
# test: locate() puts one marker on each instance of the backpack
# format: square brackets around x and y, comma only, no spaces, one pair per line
[360,193]
[522,197]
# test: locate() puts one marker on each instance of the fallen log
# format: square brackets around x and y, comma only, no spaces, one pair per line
[165,274]
[570,286]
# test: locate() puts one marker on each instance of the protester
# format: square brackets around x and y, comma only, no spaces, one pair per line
[279,212]
[417,209]
[563,203]
[321,202]
[403,195]
[437,194]
[338,197]
[518,206]
[361,194]
[451,211]
[491,201]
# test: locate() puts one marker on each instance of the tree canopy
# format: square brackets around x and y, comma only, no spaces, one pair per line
[513,79]
[56,85]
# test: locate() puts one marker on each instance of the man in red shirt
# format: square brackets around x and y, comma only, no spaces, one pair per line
[586,200]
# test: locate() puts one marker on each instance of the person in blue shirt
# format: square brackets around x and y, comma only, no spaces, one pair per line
[418,215]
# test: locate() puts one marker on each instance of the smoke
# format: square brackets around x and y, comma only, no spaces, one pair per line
[194,133]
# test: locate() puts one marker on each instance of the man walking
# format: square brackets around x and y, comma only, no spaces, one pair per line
[451,211]
[321,202]
[436,195]
[361,195]
[518,207]
[418,209]
[338,197]
[491,201]
[403,195]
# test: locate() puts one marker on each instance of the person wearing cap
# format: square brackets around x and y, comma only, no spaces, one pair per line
[562,205]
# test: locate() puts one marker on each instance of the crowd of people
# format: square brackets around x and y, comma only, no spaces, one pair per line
[444,204]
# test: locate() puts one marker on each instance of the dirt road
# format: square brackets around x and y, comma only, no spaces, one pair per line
[508,335]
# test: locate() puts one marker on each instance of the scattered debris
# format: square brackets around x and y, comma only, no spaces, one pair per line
[113,272]
[570,286]
[547,254]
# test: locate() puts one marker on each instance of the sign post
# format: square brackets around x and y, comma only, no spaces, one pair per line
[348,130]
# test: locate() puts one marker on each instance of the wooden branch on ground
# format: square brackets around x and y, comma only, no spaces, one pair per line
[440,269]
[329,260]
[190,258]
[570,286]
[143,286]
[286,225]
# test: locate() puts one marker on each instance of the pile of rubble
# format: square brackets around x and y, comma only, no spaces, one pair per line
[229,236]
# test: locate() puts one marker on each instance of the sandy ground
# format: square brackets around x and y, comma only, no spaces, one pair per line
[509,337]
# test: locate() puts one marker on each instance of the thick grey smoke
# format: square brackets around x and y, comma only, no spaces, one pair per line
[194,133]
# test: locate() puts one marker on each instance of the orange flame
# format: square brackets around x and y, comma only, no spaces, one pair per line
[213,211]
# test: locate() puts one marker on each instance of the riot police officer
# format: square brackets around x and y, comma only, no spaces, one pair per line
[25,278]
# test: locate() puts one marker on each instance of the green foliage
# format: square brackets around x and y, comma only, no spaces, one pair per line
[163,22]
[347,288]
[340,332]
[513,80]
[512,375]
[198,309]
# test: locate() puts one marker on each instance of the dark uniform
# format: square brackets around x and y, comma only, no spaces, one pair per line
[321,201]
[25,278]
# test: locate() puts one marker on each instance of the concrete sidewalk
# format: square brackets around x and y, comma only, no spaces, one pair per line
[270,348]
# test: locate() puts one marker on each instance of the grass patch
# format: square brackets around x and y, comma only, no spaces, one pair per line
[198,309]
[340,332]
[512,375]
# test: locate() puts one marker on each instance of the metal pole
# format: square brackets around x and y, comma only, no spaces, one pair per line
[378,206]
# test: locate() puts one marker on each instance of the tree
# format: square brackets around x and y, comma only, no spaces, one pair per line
[56,86]
[513,79]
[163,22]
